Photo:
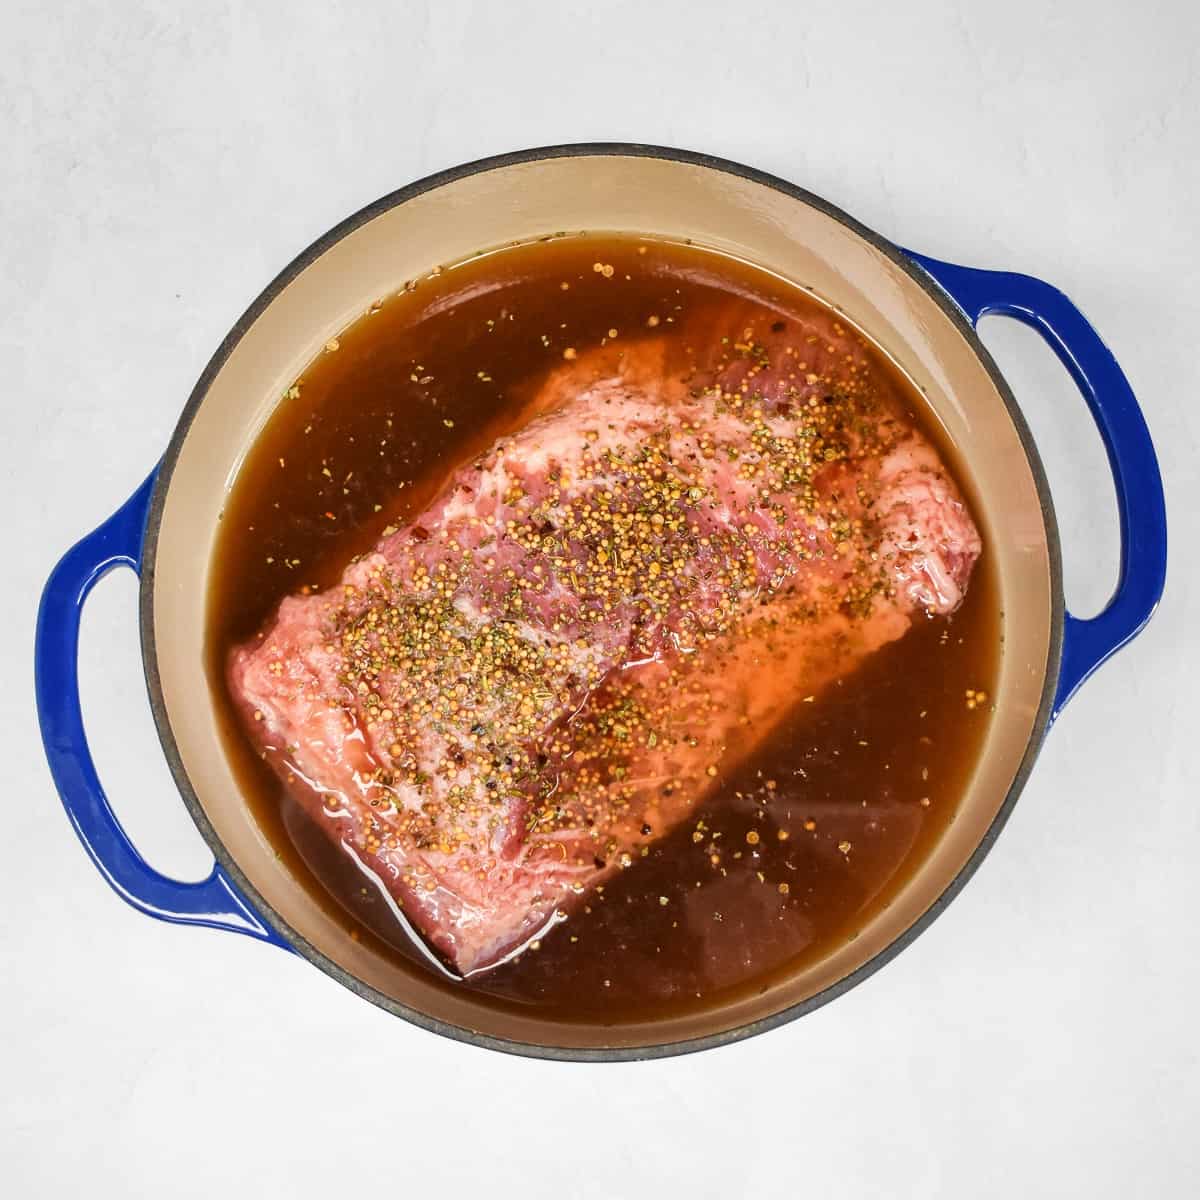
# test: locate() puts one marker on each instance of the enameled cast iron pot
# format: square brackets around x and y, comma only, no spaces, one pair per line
[920,311]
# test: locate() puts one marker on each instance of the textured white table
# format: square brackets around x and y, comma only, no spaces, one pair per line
[161,162]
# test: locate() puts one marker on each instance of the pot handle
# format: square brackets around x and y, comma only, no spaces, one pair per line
[215,901]
[1136,476]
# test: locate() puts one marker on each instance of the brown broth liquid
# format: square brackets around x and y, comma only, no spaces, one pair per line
[862,782]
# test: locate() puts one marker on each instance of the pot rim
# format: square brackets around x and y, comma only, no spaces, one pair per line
[166,736]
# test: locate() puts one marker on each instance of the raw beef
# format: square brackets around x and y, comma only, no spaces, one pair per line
[516,692]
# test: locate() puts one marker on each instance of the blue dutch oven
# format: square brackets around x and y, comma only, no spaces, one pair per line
[922,311]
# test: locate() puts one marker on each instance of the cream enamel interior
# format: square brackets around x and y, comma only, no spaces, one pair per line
[598,192]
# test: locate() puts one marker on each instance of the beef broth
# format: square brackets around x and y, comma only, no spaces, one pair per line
[771,841]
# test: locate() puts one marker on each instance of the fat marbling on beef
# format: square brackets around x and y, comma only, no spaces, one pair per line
[519,690]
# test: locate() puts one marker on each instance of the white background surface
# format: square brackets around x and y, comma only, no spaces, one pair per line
[159,164]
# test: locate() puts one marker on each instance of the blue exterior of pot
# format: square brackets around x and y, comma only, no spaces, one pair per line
[1085,644]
